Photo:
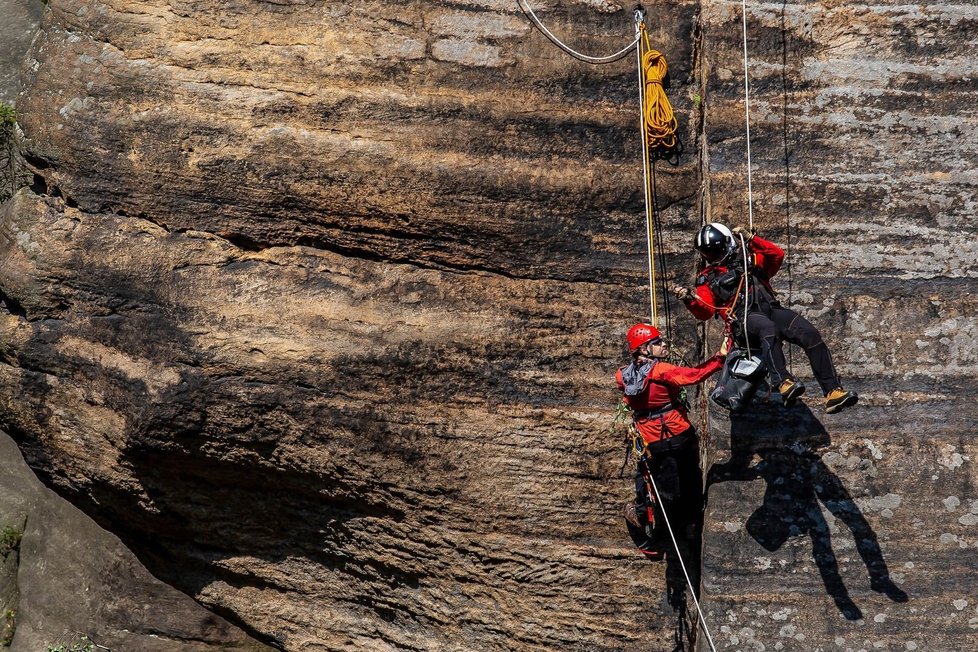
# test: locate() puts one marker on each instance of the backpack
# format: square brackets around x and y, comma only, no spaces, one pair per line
[738,381]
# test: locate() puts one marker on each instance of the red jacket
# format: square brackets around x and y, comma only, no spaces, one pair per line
[659,388]
[767,258]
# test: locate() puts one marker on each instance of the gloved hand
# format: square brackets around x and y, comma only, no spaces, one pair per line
[741,232]
[682,293]
[724,348]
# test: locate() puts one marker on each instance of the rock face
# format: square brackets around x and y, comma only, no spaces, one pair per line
[852,531]
[19,25]
[62,577]
[65,579]
[20,21]
[316,306]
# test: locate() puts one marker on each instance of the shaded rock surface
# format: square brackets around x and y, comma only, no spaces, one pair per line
[18,27]
[19,24]
[66,578]
[316,306]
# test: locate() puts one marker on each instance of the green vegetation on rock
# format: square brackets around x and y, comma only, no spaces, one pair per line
[8,627]
[83,644]
[7,114]
[9,540]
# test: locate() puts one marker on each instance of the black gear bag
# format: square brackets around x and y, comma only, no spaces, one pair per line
[738,381]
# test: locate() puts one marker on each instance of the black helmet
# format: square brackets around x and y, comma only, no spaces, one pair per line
[714,242]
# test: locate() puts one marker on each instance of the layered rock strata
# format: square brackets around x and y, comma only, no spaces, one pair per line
[316,307]
[852,531]
[64,580]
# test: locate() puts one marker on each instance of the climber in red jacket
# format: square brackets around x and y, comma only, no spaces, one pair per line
[725,291]
[670,456]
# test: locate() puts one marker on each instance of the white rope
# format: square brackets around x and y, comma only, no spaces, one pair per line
[645,170]
[746,277]
[689,582]
[750,195]
[648,230]
[577,55]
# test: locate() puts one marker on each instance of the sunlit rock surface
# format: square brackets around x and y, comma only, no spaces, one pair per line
[316,306]
[853,531]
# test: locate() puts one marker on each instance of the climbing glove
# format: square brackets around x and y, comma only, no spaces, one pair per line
[741,232]
[682,293]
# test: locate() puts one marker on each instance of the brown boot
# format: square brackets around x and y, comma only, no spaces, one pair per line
[790,390]
[839,399]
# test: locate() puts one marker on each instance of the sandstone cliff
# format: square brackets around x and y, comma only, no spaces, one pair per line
[63,580]
[318,306]
[66,579]
[315,305]
[853,531]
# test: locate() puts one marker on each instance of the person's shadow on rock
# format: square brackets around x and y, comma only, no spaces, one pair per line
[797,481]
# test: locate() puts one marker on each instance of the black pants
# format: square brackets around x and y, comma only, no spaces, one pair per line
[769,328]
[675,467]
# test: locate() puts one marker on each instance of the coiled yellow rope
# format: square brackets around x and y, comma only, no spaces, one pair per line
[660,122]
[659,130]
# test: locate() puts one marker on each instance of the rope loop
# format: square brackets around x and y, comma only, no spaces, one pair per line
[620,54]
[658,117]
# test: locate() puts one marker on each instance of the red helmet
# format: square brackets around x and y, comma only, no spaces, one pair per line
[640,334]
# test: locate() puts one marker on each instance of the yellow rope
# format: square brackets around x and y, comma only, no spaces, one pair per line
[651,234]
[659,137]
[660,122]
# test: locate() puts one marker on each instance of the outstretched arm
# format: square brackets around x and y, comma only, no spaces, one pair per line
[698,302]
[680,376]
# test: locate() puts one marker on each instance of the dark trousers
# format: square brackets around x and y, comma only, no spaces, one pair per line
[674,465]
[768,329]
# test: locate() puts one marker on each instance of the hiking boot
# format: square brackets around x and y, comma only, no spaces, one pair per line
[630,512]
[790,390]
[839,399]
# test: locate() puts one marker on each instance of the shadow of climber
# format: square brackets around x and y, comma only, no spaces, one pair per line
[797,481]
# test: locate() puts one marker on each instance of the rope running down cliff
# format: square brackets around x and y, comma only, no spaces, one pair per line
[656,109]
[750,194]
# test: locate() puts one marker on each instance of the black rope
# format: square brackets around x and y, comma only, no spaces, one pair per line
[787,164]
[661,256]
